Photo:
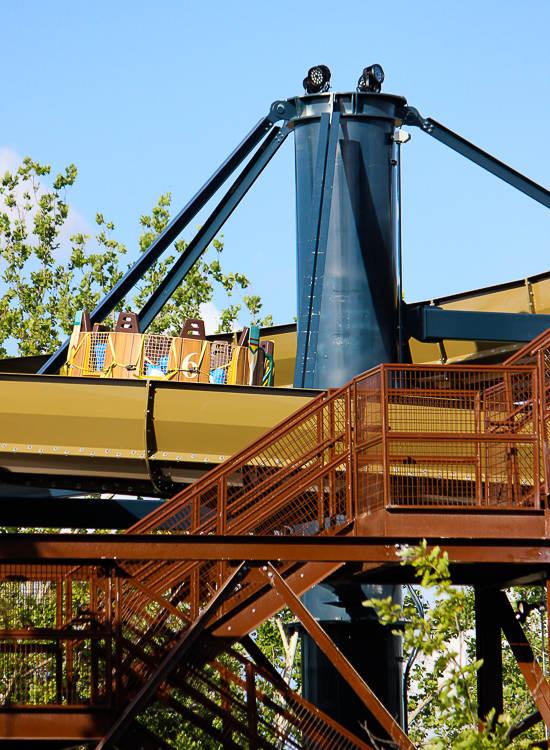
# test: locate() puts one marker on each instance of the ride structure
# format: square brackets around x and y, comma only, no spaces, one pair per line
[155,622]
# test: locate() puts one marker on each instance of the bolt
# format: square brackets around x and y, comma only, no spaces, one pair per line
[281,109]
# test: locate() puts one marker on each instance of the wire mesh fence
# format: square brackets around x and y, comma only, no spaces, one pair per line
[54,635]
[447,437]
[438,437]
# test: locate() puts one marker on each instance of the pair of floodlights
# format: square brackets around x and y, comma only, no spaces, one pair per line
[317,80]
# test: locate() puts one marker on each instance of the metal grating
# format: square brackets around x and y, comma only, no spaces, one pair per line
[447,437]
[438,437]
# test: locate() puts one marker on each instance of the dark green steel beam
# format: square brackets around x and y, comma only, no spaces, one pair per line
[478,156]
[430,324]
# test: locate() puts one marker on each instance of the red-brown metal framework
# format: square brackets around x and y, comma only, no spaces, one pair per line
[100,629]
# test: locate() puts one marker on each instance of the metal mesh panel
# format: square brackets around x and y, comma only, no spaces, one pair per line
[449,437]
[42,672]
[97,345]
[368,407]
[156,352]
[220,357]
[370,479]
[453,401]
[52,642]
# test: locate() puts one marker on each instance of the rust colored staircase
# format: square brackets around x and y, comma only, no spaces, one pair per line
[100,649]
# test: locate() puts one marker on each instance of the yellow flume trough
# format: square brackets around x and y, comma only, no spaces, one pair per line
[102,435]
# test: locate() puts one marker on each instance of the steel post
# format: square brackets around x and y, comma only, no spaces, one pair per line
[348,293]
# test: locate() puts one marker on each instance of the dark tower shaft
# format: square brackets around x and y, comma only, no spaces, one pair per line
[347,323]
[347,307]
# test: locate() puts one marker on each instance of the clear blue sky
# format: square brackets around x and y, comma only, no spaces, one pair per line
[150,97]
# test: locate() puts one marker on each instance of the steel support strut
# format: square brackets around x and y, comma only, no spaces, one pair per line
[339,661]
[478,156]
[430,323]
[489,649]
[208,231]
[321,202]
[279,111]
[527,662]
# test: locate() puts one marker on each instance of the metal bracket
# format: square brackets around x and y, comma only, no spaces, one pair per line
[413,117]
[151,443]
[282,110]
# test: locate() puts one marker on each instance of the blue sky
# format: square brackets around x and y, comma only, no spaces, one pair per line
[147,98]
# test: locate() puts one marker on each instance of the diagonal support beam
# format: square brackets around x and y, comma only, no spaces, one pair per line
[171,660]
[212,226]
[523,726]
[479,157]
[172,231]
[529,666]
[352,677]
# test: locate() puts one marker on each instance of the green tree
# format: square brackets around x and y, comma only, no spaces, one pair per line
[443,709]
[41,294]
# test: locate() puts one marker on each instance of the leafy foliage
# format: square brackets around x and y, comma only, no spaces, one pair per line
[42,294]
[442,695]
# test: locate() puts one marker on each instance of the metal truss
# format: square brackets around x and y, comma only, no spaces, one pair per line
[158,619]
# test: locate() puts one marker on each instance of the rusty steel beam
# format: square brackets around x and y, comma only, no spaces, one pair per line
[266,602]
[80,725]
[352,677]
[99,549]
[171,660]
[527,662]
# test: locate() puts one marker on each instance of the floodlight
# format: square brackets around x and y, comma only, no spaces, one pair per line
[371,79]
[318,80]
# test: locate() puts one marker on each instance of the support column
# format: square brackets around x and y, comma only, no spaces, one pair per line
[488,648]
